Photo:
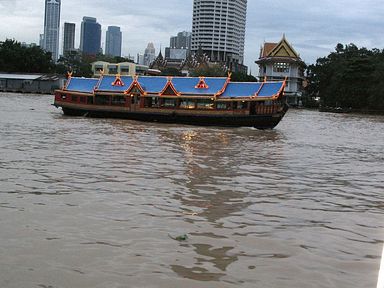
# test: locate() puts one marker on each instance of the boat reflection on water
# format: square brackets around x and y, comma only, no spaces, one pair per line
[214,202]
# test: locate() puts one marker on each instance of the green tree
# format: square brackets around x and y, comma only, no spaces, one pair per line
[15,57]
[75,62]
[170,71]
[242,77]
[209,71]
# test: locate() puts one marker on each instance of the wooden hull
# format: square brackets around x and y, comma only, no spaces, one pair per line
[224,119]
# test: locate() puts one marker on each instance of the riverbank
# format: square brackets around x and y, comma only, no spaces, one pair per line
[30,83]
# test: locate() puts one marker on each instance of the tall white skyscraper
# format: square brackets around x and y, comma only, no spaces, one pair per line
[218,27]
[113,41]
[52,27]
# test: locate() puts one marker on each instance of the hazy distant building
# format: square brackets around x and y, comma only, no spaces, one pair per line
[113,41]
[218,27]
[69,37]
[52,27]
[179,46]
[150,54]
[41,41]
[176,54]
[140,59]
[90,36]
[183,40]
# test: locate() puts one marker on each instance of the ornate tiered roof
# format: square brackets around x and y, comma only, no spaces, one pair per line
[275,51]
[220,87]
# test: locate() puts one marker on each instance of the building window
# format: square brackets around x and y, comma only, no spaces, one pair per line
[124,71]
[281,67]
[112,70]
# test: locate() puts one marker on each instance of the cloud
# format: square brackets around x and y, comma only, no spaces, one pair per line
[313,29]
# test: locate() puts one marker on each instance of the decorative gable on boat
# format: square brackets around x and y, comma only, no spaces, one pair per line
[169,89]
[202,84]
[118,81]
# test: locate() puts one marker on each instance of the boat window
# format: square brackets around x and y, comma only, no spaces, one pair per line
[101,100]
[187,104]
[82,99]
[90,100]
[204,104]
[74,98]
[223,105]
[242,105]
[118,100]
[169,103]
[155,101]
[147,102]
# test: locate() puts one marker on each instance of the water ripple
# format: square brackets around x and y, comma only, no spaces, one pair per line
[92,202]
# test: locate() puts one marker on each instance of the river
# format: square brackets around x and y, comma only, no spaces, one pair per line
[115,203]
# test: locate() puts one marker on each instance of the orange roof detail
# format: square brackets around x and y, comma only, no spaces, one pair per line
[202,84]
[268,47]
[118,81]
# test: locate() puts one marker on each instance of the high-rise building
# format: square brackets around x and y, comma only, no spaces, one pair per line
[41,41]
[52,27]
[69,37]
[179,46]
[113,41]
[218,28]
[150,54]
[90,36]
[140,59]
[181,41]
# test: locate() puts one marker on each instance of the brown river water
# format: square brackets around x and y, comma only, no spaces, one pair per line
[114,203]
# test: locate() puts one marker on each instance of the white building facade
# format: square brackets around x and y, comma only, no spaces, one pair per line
[52,27]
[218,27]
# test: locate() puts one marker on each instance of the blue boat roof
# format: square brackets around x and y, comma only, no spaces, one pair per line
[186,85]
[152,84]
[106,83]
[270,88]
[241,89]
[84,85]
[183,85]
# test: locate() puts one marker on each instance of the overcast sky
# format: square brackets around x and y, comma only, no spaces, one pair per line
[312,28]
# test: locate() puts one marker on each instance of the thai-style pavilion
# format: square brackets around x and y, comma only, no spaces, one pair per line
[280,61]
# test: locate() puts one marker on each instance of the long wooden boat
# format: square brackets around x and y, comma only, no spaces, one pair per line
[186,100]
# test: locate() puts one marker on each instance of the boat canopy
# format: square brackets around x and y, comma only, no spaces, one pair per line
[82,85]
[219,87]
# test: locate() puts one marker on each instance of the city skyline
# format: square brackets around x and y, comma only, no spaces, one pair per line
[313,30]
